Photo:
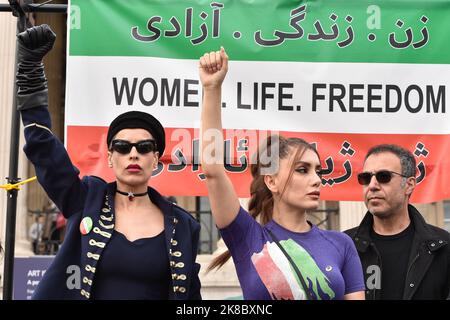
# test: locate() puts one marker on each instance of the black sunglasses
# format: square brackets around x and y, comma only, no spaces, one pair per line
[124,146]
[382,176]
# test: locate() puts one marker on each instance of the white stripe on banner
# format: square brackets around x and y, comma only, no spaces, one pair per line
[287,96]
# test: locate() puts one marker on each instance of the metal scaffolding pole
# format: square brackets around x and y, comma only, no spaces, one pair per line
[34,7]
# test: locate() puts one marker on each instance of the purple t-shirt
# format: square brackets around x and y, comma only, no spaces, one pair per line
[327,260]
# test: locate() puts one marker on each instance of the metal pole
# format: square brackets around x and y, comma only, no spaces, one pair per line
[35,7]
[11,207]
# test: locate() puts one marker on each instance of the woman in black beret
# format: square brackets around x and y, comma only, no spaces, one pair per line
[123,240]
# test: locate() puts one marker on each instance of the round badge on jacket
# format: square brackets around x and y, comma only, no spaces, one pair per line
[86,225]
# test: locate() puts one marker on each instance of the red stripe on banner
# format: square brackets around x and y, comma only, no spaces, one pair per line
[342,153]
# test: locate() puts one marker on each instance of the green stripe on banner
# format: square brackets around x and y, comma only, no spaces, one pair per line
[391,31]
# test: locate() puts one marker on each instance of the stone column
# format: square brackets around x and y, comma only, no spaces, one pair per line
[433,213]
[351,214]
[220,283]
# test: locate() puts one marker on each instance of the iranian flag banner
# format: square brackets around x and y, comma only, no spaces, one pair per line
[343,74]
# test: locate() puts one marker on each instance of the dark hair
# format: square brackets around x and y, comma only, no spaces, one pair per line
[261,198]
[407,160]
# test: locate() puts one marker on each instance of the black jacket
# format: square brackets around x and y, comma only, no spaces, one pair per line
[428,275]
[93,198]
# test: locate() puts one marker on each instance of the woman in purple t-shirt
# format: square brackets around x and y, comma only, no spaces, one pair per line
[284,257]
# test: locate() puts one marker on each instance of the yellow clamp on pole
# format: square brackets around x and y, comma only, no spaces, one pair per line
[16,186]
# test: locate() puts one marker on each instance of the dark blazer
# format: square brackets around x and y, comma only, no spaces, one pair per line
[72,273]
[428,275]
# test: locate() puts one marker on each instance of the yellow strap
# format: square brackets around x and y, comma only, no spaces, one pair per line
[15,186]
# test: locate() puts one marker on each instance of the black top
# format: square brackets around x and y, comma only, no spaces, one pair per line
[137,270]
[394,250]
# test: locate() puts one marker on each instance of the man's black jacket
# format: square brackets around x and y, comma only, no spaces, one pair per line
[428,272]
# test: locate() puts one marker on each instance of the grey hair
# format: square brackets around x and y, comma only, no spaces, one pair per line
[407,160]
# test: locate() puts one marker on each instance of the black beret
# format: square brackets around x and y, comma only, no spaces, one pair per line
[138,120]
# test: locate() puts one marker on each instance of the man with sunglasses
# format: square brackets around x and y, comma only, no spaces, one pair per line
[403,257]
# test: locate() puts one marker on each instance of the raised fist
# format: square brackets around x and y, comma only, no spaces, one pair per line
[35,42]
[213,68]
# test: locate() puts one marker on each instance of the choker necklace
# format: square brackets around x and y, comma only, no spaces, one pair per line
[131,195]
